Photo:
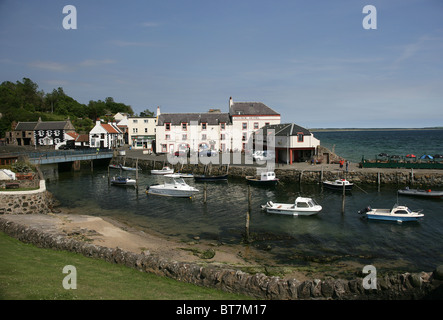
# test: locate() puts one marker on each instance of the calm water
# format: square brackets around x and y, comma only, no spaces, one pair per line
[412,246]
[352,145]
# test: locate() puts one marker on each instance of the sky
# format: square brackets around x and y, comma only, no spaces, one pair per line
[314,62]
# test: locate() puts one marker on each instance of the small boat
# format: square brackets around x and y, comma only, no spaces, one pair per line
[397,213]
[202,178]
[338,184]
[420,193]
[265,178]
[301,207]
[122,167]
[174,186]
[123,181]
[164,170]
[185,175]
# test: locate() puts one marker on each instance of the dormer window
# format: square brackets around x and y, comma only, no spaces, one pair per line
[184,126]
[167,126]
[204,125]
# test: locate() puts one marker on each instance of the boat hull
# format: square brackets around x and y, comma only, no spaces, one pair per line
[338,187]
[258,182]
[169,192]
[393,217]
[161,172]
[421,193]
[289,212]
[211,178]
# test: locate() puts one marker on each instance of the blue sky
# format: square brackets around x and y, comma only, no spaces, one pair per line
[312,61]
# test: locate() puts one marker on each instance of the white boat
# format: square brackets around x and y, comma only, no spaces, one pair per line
[301,206]
[428,193]
[185,175]
[174,186]
[338,184]
[123,181]
[397,213]
[164,170]
[265,178]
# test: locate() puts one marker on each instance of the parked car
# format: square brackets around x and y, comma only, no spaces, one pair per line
[264,155]
[207,153]
[64,147]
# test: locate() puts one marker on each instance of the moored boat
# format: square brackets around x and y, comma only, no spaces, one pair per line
[123,181]
[203,178]
[338,184]
[397,213]
[421,193]
[301,206]
[164,170]
[174,186]
[265,178]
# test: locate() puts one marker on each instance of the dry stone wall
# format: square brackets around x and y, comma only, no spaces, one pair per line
[25,202]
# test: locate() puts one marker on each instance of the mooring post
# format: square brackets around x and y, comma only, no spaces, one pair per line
[204,193]
[136,175]
[248,215]
[343,198]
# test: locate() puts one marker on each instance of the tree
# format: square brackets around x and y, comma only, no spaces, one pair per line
[146,113]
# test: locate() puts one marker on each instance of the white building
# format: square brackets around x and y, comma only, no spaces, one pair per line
[105,135]
[141,132]
[248,117]
[292,143]
[214,129]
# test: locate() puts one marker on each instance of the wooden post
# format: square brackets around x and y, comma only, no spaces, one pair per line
[343,198]
[248,215]
[136,175]
[204,193]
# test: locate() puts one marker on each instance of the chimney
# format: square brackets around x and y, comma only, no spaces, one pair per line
[158,111]
[231,102]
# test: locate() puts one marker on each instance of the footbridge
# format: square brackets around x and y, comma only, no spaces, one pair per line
[52,157]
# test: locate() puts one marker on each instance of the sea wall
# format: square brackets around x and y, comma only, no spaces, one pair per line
[424,285]
[315,175]
[25,202]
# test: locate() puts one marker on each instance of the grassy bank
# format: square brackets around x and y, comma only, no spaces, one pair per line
[31,273]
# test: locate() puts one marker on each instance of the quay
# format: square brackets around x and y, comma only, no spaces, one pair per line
[302,172]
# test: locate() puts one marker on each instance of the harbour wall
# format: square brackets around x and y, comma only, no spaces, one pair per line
[25,202]
[406,286]
[401,177]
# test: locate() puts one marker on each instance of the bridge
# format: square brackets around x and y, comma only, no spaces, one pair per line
[52,157]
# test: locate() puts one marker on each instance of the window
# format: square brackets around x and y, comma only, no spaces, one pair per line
[203,136]
[167,126]
[222,126]
[134,121]
[184,137]
[134,130]
[204,124]
[244,136]
[267,123]
[244,125]
[146,130]
[167,137]
[222,136]
[164,148]
[146,121]
[184,126]
[300,137]
[256,125]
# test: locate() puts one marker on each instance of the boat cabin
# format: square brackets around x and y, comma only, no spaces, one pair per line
[265,176]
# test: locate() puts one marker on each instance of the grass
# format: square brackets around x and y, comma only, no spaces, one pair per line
[31,273]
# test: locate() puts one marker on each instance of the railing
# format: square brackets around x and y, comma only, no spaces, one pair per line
[66,155]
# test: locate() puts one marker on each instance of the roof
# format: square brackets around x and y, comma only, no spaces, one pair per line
[284,129]
[250,108]
[210,118]
[25,126]
[109,128]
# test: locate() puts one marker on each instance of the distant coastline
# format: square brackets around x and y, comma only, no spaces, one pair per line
[372,129]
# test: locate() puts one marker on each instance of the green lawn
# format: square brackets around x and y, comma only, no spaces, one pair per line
[28,272]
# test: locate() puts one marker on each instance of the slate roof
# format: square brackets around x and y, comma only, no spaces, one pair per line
[25,126]
[251,108]
[44,125]
[284,128]
[211,118]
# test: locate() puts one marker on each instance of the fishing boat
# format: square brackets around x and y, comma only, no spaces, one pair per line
[338,184]
[164,170]
[301,207]
[203,178]
[265,178]
[420,193]
[397,213]
[174,186]
[123,181]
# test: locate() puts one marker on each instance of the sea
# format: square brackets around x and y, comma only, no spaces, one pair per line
[337,236]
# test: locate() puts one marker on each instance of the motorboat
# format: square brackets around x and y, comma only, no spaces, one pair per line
[301,207]
[397,213]
[265,178]
[122,167]
[174,186]
[203,178]
[420,193]
[164,170]
[338,184]
[123,181]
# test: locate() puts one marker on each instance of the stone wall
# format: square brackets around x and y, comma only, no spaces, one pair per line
[25,202]
[316,175]
[425,285]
